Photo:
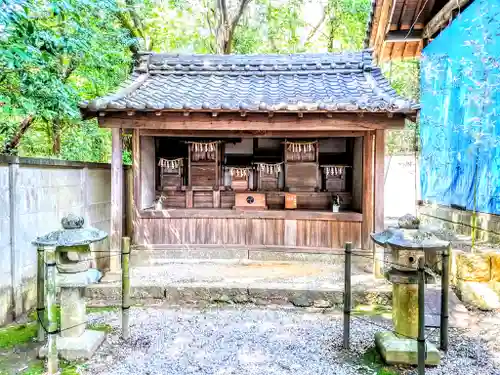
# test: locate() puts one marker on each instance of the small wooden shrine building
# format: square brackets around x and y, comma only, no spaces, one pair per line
[252,151]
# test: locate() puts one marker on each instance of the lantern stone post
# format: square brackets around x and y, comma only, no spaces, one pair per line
[406,244]
[72,262]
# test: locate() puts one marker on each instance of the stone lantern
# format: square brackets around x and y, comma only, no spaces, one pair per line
[73,257]
[406,243]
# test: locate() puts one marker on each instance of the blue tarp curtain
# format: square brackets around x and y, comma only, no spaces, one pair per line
[460,115]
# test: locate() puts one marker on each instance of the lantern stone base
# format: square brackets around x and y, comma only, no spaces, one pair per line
[75,348]
[396,350]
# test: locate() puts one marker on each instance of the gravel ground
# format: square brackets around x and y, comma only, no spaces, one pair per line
[252,340]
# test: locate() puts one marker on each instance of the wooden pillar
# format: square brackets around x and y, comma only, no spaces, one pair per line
[379,180]
[116,199]
[136,156]
[367,199]
[378,201]
[216,198]
[189,197]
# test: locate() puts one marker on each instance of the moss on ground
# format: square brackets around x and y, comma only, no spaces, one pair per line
[373,310]
[100,327]
[18,334]
[18,347]
[372,359]
[38,368]
[102,309]
[385,371]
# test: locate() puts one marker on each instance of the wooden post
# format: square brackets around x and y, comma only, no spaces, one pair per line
[445,287]
[189,166]
[125,287]
[379,180]
[217,166]
[367,199]
[347,294]
[40,293]
[378,201]
[421,317]
[216,198]
[189,197]
[116,200]
[50,266]
[318,170]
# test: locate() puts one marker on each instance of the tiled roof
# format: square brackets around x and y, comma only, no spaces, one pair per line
[324,82]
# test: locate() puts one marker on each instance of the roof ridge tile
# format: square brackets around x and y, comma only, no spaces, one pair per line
[295,83]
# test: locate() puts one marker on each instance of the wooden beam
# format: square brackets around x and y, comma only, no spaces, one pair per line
[417,13]
[374,26]
[443,17]
[404,36]
[207,213]
[367,199]
[256,122]
[250,134]
[401,25]
[406,50]
[386,53]
[382,27]
[116,200]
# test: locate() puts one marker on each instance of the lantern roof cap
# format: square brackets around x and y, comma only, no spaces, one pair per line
[72,234]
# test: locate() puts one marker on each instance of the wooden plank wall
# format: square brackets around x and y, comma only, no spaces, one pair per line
[247,231]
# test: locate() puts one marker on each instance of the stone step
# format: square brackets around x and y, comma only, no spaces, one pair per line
[245,281]
[272,294]
[141,256]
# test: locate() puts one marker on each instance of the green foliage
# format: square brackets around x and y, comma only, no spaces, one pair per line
[54,54]
[346,24]
[404,76]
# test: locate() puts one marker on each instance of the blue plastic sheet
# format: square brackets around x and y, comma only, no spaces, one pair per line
[460,115]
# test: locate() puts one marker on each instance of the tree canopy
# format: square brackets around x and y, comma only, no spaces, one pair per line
[55,53]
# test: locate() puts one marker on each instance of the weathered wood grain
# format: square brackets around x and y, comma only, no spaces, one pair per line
[255,214]
[254,122]
[379,174]
[367,201]
[246,232]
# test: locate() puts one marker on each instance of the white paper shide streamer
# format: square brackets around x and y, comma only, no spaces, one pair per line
[270,168]
[239,172]
[170,163]
[297,147]
[203,146]
[334,170]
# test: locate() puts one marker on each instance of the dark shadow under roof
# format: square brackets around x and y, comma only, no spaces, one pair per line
[327,82]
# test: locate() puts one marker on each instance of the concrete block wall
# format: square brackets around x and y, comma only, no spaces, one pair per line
[487,225]
[35,194]
[98,209]
[5,260]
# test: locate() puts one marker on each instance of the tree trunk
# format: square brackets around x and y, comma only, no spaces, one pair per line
[56,137]
[10,146]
